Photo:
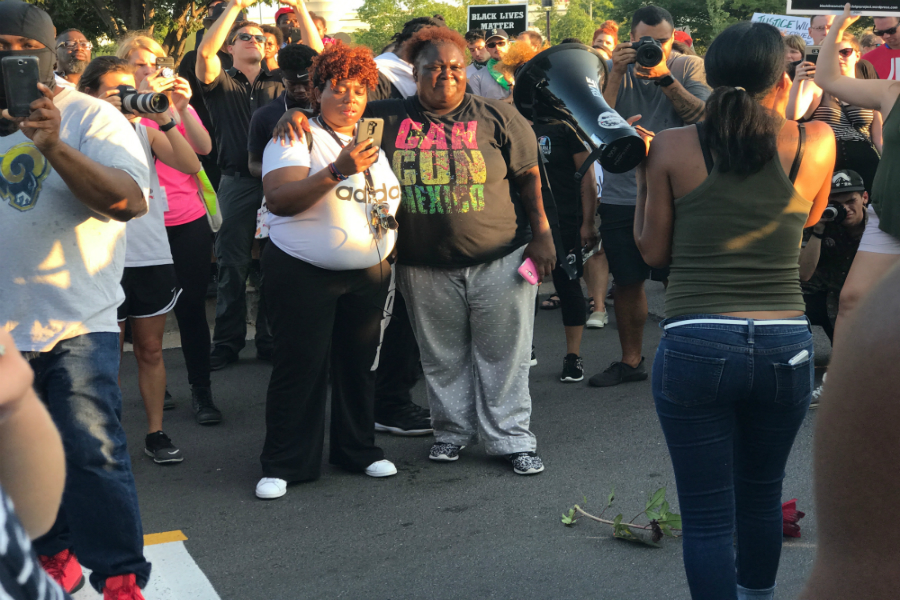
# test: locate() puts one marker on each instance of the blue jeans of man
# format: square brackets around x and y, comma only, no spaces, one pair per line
[99,519]
[730,404]
[240,197]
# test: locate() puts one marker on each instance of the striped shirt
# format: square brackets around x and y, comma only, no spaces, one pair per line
[850,123]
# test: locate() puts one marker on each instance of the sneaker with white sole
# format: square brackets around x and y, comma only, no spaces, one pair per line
[381,468]
[160,448]
[597,320]
[525,463]
[270,488]
[817,393]
[573,369]
[444,452]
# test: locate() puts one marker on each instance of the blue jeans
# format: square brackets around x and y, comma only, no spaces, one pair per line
[99,518]
[730,405]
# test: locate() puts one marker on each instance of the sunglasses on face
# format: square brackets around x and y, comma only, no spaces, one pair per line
[890,31]
[246,37]
[499,44]
[72,45]
[846,52]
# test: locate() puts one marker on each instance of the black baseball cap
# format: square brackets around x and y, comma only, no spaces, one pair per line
[27,20]
[845,180]
[492,33]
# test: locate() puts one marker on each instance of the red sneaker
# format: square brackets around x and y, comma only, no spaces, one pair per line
[122,587]
[64,570]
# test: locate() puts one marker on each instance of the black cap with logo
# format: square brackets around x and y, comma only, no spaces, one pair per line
[492,33]
[845,180]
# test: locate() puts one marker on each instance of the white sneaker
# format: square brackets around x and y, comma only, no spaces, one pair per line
[597,320]
[270,488]
[381,468]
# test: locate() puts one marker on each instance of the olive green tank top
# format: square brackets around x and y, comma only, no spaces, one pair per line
[736,241]
[885,198]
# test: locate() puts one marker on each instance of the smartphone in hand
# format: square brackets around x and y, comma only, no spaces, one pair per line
[167,66]
[370,129]
[20,78]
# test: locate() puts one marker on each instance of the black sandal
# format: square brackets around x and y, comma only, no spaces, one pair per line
[551,303]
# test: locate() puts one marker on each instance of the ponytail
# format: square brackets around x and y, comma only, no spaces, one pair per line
[743,64]
[740,131]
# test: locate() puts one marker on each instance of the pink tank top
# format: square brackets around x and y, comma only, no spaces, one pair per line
[185,204]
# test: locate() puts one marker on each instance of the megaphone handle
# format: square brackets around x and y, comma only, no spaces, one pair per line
[591,159]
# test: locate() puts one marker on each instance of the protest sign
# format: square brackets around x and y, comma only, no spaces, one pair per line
[866,8]
[512,18]
[787,25]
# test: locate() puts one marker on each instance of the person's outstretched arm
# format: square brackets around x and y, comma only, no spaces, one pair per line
[308,32]
[857,476]
[208,64]
[32,463]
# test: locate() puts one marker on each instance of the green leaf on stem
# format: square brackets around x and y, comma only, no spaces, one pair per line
[657,498]
[568,519]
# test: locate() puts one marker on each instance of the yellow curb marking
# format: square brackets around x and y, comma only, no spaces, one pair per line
[164,538]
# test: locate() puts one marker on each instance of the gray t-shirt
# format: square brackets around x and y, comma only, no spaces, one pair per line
[62,267]
[645,98]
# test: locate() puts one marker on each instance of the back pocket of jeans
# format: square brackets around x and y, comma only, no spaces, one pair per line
[793,383]
[690,380]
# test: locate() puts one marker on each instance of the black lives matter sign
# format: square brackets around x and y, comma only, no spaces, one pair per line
[512,18]
[871,8]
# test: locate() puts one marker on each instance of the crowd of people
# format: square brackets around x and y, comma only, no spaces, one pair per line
[394,201]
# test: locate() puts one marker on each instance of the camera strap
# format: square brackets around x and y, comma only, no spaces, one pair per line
[370,185]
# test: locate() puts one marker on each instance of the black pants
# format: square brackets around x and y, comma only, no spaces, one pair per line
[319,314]
[191,245]
[817,312]
[398,364]
[571,297]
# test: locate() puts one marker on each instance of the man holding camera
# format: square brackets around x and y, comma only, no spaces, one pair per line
[661,89]
[830,247]
[73,173]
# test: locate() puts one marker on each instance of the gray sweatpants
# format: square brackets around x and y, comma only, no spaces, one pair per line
[474,328]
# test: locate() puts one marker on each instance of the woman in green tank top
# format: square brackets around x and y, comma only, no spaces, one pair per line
[879,249]
[724,204]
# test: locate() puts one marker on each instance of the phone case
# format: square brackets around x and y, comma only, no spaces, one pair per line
[370,128]
[529,271]
[20,79]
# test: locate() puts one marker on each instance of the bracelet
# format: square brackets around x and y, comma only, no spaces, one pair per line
[337,174]
[170,125]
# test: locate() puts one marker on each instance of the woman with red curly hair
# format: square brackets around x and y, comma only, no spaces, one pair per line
[606,38]
[327,279]
[471,214]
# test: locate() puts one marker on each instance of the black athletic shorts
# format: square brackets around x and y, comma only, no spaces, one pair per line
[149,291]
[626,264]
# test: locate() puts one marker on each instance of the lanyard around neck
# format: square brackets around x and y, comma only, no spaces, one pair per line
[370,185]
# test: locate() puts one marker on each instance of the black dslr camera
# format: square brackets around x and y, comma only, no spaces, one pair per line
[133,102]
[649,51]
[834,213]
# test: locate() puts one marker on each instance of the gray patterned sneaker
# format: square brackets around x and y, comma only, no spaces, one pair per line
[444,452]
[525,463]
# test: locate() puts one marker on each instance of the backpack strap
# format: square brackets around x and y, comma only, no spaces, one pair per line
[801,149]
[707,155]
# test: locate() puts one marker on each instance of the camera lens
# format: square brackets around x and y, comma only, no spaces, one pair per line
[830,213]
[145,103]
[649,55]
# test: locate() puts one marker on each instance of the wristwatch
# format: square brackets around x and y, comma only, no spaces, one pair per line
[665,81]
[167,126]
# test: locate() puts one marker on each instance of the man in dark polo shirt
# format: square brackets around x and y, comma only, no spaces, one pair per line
[293,62]
[231,97]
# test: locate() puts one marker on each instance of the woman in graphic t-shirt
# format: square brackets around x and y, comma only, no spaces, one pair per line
[187,227]
[327,280]
[471,213]
[150,283]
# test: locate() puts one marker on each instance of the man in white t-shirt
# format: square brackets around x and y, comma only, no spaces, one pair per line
[72,173]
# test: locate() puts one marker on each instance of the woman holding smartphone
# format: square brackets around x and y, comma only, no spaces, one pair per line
[328,280]
[187,226]
[150,280]
[724,204]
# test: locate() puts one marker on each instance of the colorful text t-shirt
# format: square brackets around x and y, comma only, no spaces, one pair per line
[459,206]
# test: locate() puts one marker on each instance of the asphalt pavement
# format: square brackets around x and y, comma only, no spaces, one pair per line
[465,530]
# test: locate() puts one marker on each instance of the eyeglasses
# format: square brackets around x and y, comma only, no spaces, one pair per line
[890,31]
[72,45]
[499,44]
[822,28]
[246,37]
[846,52]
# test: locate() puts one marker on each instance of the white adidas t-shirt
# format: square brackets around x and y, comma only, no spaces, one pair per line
[147,241]
[335,233]
[62,262]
